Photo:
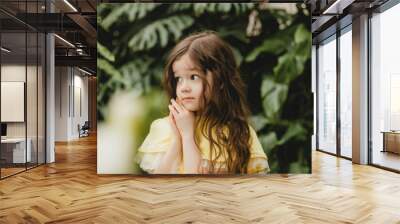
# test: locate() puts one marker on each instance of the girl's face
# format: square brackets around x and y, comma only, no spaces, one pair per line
[189,88]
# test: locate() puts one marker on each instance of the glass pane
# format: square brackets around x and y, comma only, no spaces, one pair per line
[31,100]
[13,86]
[345,94]
[327,96]
[31,84]
[41,98]
[314,78]
[385,86]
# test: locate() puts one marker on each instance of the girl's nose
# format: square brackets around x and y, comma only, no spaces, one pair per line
[185,86]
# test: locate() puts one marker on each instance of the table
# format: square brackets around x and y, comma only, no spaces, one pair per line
[391,141]
[15,148]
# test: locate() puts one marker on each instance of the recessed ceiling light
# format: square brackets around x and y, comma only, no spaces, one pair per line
[5,49]
[70,5]
[64,40]
[337,7]
[86,72]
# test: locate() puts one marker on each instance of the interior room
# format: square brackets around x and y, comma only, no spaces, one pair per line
[49,76]
[335,116]
[22,99]
[40,109]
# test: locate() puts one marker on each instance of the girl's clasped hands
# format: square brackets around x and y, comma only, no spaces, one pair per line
[182,120]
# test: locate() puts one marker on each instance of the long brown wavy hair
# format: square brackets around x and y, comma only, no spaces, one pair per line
[223,116]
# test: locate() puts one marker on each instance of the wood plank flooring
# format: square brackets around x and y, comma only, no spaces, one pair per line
[70,191]
[10,171]
[388,159]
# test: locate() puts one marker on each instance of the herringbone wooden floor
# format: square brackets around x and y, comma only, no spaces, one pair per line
[70,191]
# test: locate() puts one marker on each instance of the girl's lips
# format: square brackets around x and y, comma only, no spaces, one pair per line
[186,99]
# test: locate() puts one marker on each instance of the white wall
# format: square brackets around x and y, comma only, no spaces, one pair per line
[33,126]
[12,101]
[71,94]
[11,73]
[81,104]
[61,103]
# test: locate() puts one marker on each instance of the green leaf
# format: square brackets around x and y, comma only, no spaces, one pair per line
[225,33]
[107,67]
[301,34]
[242,7]
[288,68]
[238,55]
[273,97]
[224,7]
[139,10]
[268,141]
[211,7]
[179,7]
[273,45]
[115,14]
[199,8]
[163,34]
[258,122]
[295,130]
[159,31]
[132,11]
[105,52]
[291,64]
[299,167]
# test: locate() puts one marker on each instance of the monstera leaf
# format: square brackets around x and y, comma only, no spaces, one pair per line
[131,11]
[107,54]
[238,8]
[158,32]
[269,141]
[273,96]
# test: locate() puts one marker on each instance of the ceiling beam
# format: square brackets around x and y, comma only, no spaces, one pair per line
[82,61]
[90,31]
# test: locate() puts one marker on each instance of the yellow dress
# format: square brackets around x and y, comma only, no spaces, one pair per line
[160,137]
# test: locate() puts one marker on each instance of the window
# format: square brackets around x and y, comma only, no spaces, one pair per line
[327,95]
[346,92]
[385,88]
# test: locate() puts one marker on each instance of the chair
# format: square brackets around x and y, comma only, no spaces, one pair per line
[84,130]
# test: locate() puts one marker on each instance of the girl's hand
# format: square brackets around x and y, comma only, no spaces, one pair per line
[184,119]
[177,135]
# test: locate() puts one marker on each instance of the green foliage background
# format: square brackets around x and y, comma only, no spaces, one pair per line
[135,38]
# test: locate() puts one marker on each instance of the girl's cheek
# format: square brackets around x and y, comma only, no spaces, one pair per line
[177,91]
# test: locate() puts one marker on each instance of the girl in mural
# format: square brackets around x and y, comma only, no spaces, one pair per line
[207,130]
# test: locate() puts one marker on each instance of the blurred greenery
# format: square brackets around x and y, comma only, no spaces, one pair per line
[271,42]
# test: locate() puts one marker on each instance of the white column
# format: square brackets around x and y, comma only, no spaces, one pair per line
[50,99]
[50,93]
[314,91]
[360,90]
[62,100]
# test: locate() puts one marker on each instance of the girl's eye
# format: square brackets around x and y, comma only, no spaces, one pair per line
[178,79]
[194,77]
